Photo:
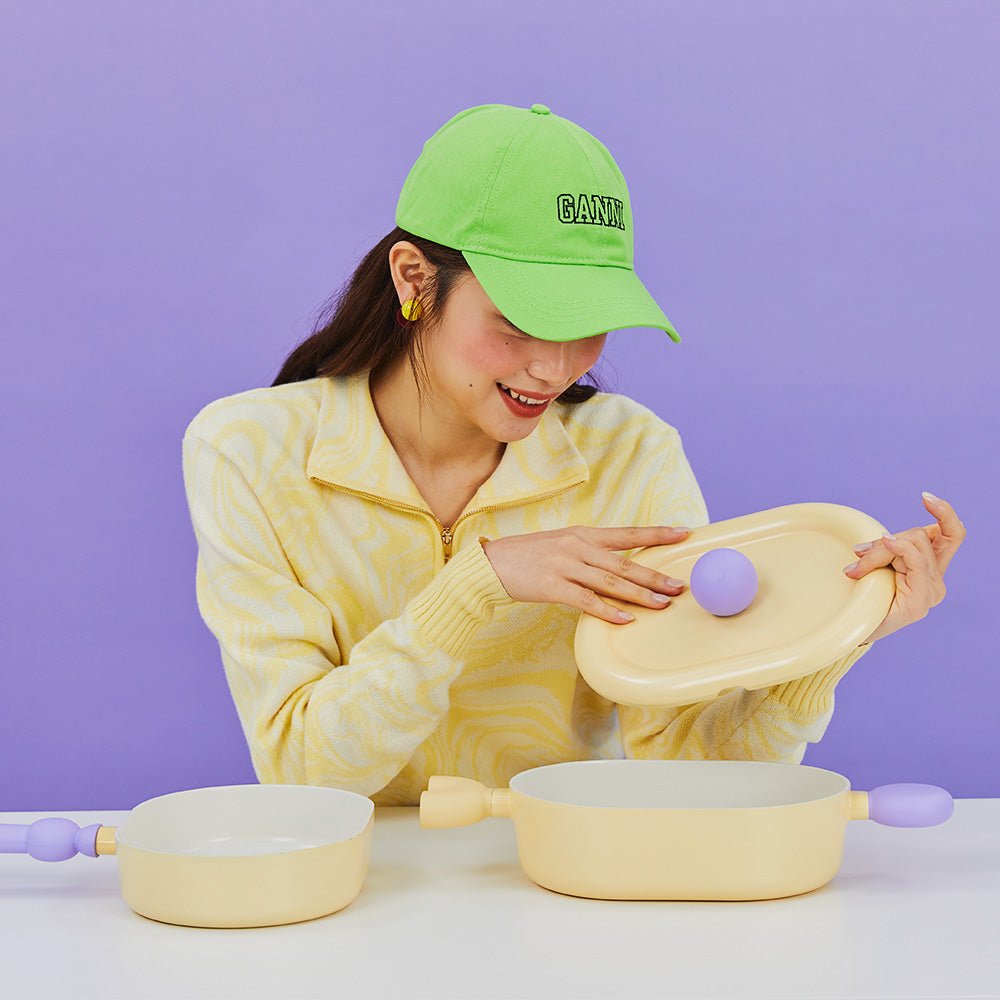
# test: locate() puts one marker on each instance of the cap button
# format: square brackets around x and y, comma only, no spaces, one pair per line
[540,109]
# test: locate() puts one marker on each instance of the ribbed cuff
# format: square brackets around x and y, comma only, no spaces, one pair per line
[812,695]
[459,601]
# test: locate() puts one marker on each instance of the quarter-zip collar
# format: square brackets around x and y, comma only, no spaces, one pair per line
[351,452]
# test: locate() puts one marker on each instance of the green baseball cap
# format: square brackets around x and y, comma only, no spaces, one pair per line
[541,213]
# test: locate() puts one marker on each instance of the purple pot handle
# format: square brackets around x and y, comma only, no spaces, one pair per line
[909,805]
[51,839]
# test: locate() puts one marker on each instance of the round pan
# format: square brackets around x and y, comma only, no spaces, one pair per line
[232,856]
[706,830]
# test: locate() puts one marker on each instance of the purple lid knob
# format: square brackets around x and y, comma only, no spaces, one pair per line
[909,805]
[724,582]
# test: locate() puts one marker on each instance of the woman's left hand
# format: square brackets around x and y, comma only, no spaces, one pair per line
[919,556]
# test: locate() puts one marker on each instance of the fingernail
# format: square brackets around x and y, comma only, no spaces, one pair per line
[624,616]
[680,527]
[851,568]
[885,534]
[661,599]
[671,582]
[931,499]
[862,548]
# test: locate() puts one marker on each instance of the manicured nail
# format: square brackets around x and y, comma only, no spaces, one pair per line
[624,616]
[671,582]
[680,527]
[851,568]
[661,599]
[931,499]
[885,534]
[862,548]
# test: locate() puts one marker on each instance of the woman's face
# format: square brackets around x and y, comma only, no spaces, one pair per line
[479,364]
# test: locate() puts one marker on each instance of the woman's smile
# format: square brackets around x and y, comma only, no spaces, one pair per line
[523,404]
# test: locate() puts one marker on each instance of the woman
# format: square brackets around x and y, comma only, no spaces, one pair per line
[397,537]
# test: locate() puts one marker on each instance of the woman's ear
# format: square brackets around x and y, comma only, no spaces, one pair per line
[410,270]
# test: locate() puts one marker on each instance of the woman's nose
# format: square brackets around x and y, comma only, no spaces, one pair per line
[553,364]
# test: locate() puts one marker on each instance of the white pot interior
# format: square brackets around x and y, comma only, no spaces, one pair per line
[245,820]
[668,784]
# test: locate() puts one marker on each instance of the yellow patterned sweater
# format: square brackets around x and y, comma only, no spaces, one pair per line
[368,646]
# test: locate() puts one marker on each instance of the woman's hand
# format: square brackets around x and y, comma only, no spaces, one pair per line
[579,566]
[919,556]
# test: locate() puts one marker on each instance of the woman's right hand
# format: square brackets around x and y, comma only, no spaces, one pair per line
[579,566]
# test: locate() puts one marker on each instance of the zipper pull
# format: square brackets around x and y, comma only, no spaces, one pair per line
[446,541]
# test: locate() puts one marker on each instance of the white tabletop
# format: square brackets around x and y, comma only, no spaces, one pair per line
[449,913]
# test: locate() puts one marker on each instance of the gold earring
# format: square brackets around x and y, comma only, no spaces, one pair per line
[409,312]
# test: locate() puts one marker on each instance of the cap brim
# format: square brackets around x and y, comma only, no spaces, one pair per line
[567,301]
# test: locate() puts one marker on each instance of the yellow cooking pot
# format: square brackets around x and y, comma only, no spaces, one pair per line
[231,856]
[708,830]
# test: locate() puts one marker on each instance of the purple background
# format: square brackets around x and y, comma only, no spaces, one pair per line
[815,189]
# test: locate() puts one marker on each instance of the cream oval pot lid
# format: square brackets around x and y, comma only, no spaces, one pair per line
[806,613]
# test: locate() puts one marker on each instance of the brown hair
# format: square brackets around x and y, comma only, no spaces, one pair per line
[357,330]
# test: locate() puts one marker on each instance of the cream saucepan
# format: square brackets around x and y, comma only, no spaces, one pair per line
[708,830]
[232,856]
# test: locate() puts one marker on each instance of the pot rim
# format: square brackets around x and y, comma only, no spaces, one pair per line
[352,814]
[837,784]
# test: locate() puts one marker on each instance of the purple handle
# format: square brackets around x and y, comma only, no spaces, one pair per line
[909,805]
[49,839]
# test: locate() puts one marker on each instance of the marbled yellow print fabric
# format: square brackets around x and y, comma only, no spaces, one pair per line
[365,652]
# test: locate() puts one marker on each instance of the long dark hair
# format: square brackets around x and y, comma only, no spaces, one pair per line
[357,329]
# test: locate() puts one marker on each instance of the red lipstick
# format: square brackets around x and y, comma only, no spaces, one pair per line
[519,409]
